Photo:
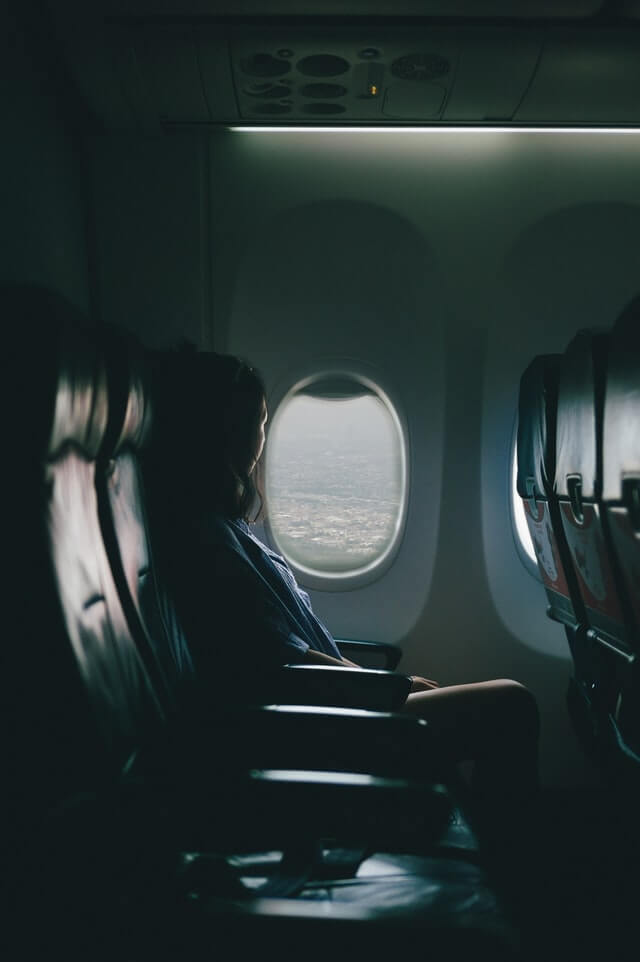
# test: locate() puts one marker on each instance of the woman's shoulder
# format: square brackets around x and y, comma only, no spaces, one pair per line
[234,537]
[215,529]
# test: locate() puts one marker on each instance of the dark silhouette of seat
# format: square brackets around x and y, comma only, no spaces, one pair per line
[621,515]
[603,648]
[77,702]
[621,458]
[536,485]
[536,451]
[112,804]
[578,483]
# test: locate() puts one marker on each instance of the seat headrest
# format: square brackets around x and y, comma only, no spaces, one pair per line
[621,424]
[55,382]
[129,403]
[81,408]
[628,323]
[537,425]
[580,403]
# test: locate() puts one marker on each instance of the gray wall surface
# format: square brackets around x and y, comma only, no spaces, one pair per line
[43,216]
[442,260]
[153,258]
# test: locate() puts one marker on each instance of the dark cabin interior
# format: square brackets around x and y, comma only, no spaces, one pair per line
[175,170]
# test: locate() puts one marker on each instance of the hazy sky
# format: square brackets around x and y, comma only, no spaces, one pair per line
[363,420]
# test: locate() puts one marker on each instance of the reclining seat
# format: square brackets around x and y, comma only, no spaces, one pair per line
[536,448]
[621,505]
[87,846]
[319,739]
[94,873]
[76,699]
[150,615]
[375,742]
[61,588]
[605,655]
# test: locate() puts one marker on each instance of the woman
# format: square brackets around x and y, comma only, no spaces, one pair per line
[242,610]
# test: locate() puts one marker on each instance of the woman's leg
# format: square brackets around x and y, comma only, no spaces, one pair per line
[495,724]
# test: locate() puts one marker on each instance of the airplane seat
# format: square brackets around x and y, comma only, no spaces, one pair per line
[536,469]
[105,873]
[76,699]
[150,613]
[536,441]
[603,656]
[55,424]
[313,735]
[375,743]
[316,736]
[154,622]
[536,453]
[40,740]
[621,508]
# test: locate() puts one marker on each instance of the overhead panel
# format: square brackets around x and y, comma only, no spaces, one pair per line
[343,75]
[153,74]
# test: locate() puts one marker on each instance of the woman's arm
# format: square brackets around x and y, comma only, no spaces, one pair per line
[313,657]
[319,658]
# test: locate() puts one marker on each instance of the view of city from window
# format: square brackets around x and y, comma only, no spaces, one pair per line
[334,481]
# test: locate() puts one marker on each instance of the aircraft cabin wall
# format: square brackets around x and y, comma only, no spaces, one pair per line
[432,264]
[43,222]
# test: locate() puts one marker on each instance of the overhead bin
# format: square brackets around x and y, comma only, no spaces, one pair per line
[524,9]
[586,76]
[494,70]
[154,74]
[379,76]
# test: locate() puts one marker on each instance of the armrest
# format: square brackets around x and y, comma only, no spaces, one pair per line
[275,808]
[333,739]
[203,778]
[366,688]
[389,654]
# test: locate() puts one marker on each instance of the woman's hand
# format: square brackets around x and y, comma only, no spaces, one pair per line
[421,684]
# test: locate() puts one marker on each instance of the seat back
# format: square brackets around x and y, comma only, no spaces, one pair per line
[621,457]
[621,506]
[150,614]
[43,696]
[536,449]
[537,428]
[72,647]
[578,483]
[77,701]
[604,655]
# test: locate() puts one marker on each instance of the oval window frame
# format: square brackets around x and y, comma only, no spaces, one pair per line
[297,381]
[528,562]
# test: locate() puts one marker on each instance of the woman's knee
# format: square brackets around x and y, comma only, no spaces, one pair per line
[520,706]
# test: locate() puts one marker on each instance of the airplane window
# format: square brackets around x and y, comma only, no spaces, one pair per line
[521,533]
[335,477]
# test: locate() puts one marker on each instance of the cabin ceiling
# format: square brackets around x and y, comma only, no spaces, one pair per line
[152,66]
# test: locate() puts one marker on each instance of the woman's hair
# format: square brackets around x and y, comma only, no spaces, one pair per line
[207,411]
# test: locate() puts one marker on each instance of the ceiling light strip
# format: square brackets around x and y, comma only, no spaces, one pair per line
[440,128]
